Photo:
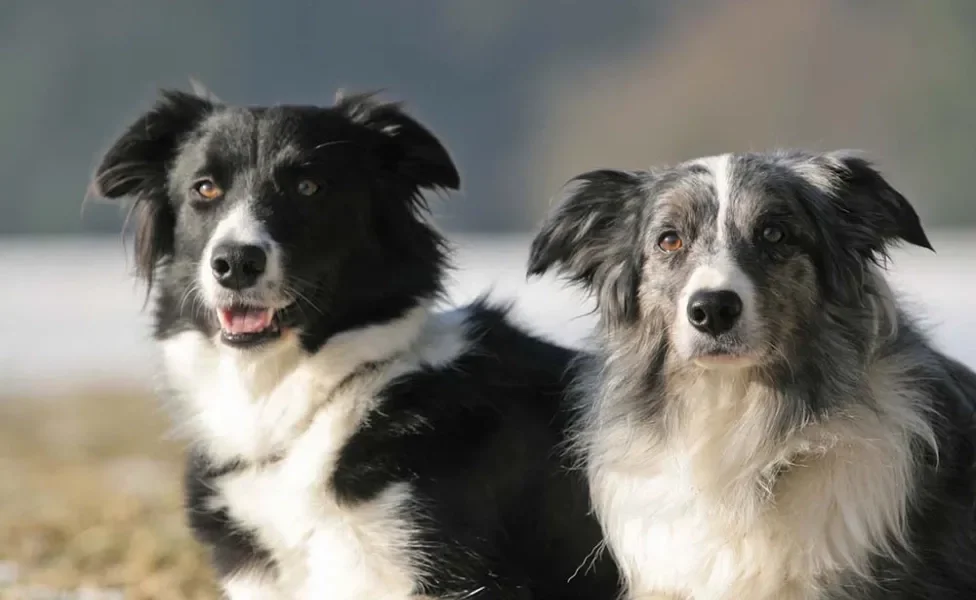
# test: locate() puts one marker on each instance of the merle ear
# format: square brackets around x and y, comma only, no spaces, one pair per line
[417,154]
[592,238]
[876,214]
[136,166]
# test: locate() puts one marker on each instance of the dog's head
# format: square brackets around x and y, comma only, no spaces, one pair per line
[733,259]
[252,221]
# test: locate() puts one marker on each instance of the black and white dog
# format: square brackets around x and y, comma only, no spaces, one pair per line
[348,442]
[763,420]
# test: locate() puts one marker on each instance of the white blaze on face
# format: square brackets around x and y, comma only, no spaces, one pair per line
[718,271]
[720,166]
[240,226]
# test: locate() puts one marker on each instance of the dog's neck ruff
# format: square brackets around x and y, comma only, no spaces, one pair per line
[713,498]
[249,405]
[273,424]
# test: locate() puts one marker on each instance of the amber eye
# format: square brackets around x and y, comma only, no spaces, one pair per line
[670,242]
[307,187]
[773,234]
[208,190]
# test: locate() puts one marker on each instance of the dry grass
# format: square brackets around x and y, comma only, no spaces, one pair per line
[90,497]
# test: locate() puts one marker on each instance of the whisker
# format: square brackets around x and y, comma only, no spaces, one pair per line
[291,291]
[330,143]
[190,290]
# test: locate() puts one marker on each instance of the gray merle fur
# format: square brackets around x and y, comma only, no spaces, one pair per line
[823,328]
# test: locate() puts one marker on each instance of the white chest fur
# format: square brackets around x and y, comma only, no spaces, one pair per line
[324,550]
[300,410]
[722,510]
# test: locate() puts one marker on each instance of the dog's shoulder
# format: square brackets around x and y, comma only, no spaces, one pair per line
[941,549]
[482,442]
[503,393]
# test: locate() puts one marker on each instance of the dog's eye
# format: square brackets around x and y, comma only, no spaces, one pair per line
[773,234]
[208,190]
[670,242]
[307,187]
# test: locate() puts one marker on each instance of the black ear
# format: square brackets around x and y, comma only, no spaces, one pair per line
[592,236]
[136,166]
[417,154]
[875,213]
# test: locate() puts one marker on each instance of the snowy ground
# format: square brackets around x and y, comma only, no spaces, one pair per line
[71,315]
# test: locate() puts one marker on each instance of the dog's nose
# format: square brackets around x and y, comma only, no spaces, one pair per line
[714,312]
[238,266]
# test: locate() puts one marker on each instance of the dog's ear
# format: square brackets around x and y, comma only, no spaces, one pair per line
[136,166]
[875,214]
[416,154]
[592,238]
[860,215]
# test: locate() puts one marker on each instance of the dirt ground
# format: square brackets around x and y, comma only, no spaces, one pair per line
[90,500]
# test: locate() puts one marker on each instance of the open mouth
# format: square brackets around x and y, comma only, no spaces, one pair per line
[246,326]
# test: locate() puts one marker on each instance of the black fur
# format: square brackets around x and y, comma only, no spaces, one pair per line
[138,164]
[480,440]
[374,161]
[501,512]
[232,548]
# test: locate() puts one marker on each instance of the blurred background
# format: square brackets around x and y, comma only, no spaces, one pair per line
[524,94]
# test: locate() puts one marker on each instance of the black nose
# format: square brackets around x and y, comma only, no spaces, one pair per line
[238,266]
[714,312]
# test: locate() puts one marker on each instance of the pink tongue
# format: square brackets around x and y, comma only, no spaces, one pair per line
[245,320]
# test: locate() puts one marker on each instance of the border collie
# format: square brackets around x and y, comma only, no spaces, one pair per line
[764,420]
[347,441]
